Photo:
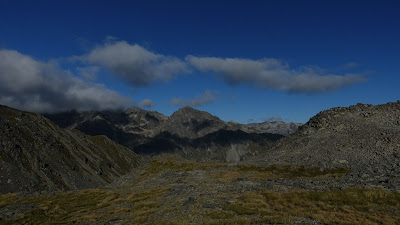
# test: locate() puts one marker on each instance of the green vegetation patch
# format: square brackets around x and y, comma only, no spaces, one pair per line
[290,172]
[86,206]
[352,206]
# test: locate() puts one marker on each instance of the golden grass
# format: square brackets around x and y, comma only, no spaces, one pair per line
[129,206]
[353,206]
[87,206]
[170,162]
[132,204]
[224,172]
[290,172]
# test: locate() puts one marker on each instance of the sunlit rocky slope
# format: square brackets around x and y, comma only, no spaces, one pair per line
[365,138]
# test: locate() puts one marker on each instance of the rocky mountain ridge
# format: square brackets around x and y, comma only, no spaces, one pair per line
[188,132]
[364,138]
[36,154]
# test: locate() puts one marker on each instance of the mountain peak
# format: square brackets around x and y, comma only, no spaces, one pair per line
[187,109]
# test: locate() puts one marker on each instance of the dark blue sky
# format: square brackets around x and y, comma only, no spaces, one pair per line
[292,59]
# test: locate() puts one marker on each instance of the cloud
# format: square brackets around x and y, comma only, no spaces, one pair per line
[148,103]
[273,118]
[273,74]
[89,72]
[32,85]
[207,97]
[135,64]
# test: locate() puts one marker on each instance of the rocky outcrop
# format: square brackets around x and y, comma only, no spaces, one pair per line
[365,138]
[36,154]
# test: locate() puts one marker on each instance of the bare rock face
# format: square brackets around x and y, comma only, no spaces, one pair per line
[191,123]
[275,127]
[142,121]
[36,154]
[365,138]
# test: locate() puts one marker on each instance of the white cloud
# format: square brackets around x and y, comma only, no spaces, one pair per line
[148,103]
[28,84]
[89,72]
[207,97]
[135,64]
[273,74]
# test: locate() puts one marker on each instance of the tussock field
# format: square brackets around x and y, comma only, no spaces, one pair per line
[170,190]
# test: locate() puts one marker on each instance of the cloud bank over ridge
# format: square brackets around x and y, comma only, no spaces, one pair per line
[135,64]
[33,85]
[141,67]
[29,84]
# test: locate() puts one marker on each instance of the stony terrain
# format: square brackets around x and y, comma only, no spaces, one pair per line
[275,127]
[36,155]
[365,138]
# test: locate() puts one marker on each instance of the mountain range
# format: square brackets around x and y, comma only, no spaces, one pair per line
[188,132]
[141,167]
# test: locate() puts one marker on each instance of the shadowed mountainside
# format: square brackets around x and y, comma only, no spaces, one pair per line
[188,132]
[36,154]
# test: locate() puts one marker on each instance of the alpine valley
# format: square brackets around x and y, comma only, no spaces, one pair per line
[141,167]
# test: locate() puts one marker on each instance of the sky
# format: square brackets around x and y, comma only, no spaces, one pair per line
[243,61]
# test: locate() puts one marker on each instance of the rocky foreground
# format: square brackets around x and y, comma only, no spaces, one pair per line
[170,190]
[339,168]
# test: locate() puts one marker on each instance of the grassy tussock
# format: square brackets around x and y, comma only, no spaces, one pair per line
[290,172]
[87,206]
[169,162]
[224,172]
[353,206]
[129,206]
